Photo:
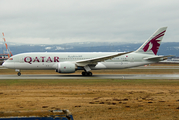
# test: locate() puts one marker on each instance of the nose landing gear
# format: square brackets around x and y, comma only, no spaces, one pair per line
[19,72]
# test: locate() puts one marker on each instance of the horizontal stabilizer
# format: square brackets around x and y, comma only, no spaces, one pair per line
[158,58]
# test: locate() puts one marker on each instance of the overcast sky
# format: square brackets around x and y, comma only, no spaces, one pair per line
[66,21]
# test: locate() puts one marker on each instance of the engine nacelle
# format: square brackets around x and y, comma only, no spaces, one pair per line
[65,67]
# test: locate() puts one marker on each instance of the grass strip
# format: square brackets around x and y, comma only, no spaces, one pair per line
[89,82]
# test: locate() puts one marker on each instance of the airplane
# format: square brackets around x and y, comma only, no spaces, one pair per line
[69,62]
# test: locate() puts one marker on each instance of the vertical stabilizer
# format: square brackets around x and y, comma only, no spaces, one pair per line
[152,45]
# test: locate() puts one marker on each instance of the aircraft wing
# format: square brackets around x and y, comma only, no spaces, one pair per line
[158,57]
[94,61]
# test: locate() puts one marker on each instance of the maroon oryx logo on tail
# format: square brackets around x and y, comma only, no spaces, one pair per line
[154,44]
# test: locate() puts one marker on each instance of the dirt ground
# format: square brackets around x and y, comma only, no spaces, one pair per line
[90,99]
[94,99]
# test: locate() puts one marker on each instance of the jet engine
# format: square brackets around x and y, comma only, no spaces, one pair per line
[66,67]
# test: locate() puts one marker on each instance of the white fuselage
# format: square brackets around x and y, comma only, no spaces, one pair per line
[49,60]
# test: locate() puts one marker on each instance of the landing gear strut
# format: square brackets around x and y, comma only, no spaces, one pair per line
[87,73]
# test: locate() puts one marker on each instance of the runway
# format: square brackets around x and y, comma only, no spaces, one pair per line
[100,76]
[141,67]
[118,76]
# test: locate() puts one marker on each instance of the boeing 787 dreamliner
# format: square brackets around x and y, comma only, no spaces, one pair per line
[69,62]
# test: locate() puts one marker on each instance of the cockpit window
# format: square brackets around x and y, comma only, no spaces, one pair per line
[10,58]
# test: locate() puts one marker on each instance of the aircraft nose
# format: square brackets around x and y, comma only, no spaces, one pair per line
[4,64]
[8,65]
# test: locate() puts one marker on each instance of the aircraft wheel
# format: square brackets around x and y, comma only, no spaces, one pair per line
[19,74]
[83,73]
[90,74]
[87,73]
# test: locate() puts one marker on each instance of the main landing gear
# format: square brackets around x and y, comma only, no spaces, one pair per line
[87,73]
